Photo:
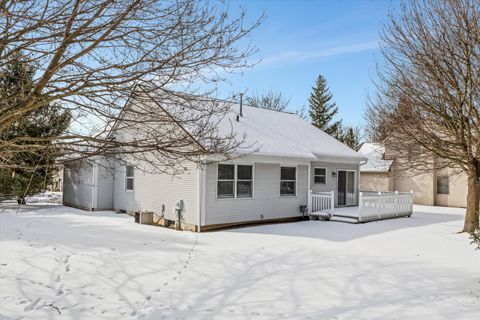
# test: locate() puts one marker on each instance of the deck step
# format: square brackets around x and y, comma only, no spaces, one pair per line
[319,214]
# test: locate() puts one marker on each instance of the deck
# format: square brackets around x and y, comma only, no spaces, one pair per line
[372,206]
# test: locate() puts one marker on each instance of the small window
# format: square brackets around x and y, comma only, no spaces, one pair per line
[442,185]
[320,175]
[288,177]
[244,181]
[129,178]
[226,181]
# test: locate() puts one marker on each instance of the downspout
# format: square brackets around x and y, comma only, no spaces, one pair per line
[359,177]
[200,198]
[94,185]
[202,191]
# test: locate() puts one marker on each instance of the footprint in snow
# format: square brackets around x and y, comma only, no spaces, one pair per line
[67,268]
[58,278]
[32,305]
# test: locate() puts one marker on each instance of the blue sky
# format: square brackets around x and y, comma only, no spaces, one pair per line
[301,39]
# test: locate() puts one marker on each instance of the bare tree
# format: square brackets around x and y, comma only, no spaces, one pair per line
[95,57]
[428,102]
[275,101]
[270,100]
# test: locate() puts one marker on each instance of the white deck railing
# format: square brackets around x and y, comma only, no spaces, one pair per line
[371,205]
[382,205]
[321,202]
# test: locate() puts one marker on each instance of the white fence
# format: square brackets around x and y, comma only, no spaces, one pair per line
[384,205]
[321,202]
[371,205]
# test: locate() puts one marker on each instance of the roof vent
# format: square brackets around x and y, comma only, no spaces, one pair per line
[241,105]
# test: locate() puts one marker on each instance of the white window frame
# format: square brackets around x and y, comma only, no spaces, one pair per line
[130,177]
[280,182]
[318,175]
[235,180]
[448,184]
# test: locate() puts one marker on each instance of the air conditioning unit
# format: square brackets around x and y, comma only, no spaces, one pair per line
[144,217]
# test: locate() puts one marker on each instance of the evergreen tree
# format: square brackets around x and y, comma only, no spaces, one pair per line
[351,137]
[27,172]
[322,110]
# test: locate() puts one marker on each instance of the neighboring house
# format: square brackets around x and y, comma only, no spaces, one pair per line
[441,187]
[270,184]
[377,173]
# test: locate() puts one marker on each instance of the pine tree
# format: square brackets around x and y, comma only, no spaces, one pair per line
[27,172]
[351,138]
[322,110]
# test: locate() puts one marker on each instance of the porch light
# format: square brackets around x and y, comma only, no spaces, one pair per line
[334,174]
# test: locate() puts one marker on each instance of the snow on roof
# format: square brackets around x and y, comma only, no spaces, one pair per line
[274,133]
[375,153]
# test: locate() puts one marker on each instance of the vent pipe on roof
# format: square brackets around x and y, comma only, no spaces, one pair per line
[241,105]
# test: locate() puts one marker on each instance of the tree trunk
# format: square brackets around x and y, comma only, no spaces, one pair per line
[472,215]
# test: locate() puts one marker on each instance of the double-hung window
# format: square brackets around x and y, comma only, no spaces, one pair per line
[234,181]
[226,181]
[442,185]
[129,178]
[320,175]
[244,181]
[288,181]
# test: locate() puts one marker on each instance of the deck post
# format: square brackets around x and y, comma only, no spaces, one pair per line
[360,205]
[309,201]
[396,206]
[411,201]
[332,201]
[379,203]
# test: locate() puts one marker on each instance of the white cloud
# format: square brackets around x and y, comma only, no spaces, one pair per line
[297,56]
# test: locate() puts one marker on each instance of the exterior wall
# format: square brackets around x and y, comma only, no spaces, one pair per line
[77,184]
[154,190]
[457,196]
[104,177]
[422,186]
[376,181]
[266,202]
[332,181]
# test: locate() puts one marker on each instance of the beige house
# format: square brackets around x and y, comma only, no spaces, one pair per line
[438,188]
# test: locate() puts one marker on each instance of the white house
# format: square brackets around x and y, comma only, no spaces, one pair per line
[271,184]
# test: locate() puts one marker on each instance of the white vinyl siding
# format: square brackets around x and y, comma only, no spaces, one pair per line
[77,184]
[331,182]
[154,190]
[266,202]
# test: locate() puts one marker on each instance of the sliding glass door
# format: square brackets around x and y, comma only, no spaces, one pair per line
[346,187]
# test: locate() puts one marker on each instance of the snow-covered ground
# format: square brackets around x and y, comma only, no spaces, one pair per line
[101,265]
